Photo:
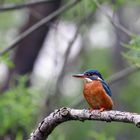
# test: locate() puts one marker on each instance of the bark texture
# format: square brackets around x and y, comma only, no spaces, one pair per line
[66,114]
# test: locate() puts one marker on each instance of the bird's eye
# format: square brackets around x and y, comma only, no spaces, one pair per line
[89,74]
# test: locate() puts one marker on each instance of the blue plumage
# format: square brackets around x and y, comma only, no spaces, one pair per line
[93,72]
[93,75]
[106,88]
[96,91]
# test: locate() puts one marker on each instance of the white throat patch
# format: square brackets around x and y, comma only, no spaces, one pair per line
[99,79]
[88,80]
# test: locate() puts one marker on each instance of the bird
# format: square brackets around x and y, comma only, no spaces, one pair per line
[96,92]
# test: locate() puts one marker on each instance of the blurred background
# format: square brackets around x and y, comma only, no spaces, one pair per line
[36,70]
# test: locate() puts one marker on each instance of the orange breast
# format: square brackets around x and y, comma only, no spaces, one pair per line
[96,96]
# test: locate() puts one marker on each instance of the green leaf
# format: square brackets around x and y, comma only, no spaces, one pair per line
[19,107]
[133,53]
[79,11]
[6,60]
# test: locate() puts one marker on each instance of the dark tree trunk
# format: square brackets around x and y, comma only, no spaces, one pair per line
[28,50]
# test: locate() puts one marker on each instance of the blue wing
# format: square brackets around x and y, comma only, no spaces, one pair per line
[107,89]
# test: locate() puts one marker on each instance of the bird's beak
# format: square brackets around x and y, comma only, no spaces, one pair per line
[79,75]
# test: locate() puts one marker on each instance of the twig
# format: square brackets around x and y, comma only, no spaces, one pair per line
[70,44]
[122,74]
[24,5]
[82,21]
[67,114]
[39,24]
[66,56]
[69,47]
[56,96]
[117,25]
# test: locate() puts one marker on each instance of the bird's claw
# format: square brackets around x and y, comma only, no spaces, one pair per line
[101,110]
[91,109]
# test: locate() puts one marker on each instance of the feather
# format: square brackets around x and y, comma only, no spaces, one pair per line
[106,88]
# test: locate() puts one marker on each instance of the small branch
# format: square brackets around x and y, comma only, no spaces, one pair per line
[39,24]
[24,5]
[72,41]
[69,47]
[117,25]
[67,114]
[66,56]
[122,74]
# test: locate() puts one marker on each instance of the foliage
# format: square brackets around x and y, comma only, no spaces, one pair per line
[8,23]
[94,59]
[133,53]
[8,27]
[7,60]
[78,11]
[18,107]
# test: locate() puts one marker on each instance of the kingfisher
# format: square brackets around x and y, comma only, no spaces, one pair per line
[96,92]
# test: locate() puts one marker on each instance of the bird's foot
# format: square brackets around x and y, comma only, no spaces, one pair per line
[101,109]
[91,109]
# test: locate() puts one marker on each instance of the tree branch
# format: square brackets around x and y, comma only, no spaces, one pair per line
[122,74]
[117,25]
[24,5]
[39,24]
[67,114]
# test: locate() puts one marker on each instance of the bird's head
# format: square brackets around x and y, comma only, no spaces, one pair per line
[89,75]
